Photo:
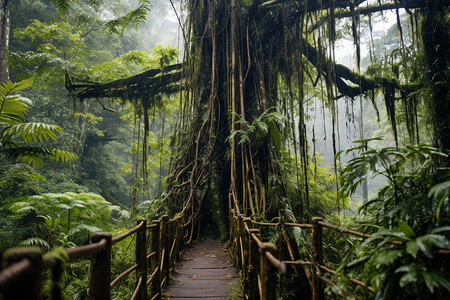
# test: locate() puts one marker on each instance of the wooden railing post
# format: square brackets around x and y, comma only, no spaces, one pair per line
[241,245]
[234,239]
[172,242]
[246,245]
[165,247]
[27,286]
[141,259]
[177,237]
[317,259]
[268,273]
[252,286]
[181,237]
[155,246]
[99,283]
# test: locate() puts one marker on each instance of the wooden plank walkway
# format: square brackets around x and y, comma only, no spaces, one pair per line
[205,272]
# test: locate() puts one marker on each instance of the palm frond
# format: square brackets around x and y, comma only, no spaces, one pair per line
[35,155]
[12,108]
[12,111]
[32,132]
[7,87]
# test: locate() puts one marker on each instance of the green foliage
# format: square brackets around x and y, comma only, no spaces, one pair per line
[58,47]
[16,136]
[132,18]
[63,5]
[134,62]
[118,25]
[19,180]
[412,210]
[66,219]
[267,123]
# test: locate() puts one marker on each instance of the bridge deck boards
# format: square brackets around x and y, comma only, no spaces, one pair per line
[205,272]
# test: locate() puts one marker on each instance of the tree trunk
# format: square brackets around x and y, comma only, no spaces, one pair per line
[436,42]
[5,22]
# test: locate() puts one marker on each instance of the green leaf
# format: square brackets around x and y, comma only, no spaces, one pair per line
[427,242]
[406,229]
[432,277]
[440,229]
[438,193]
[386,257]
[408,278]
[412,248]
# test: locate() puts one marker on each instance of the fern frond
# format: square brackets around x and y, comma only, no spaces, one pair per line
[133,18]
[36,242]
[83,228]
[63,5]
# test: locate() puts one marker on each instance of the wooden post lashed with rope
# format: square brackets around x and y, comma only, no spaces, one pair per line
[165,248]
[141,259]
[317,258]
[99,288]
[252,286]
[155,246]
[268,273]
[27,286]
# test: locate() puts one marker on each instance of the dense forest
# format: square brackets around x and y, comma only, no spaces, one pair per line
[340,109]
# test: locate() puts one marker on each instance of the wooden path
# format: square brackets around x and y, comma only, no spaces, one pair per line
[205,272]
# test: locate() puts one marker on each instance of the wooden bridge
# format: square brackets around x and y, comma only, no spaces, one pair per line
[160,246]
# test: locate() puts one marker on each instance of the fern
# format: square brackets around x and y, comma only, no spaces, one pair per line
[36,242]
[16,136]
[63,5]
[267,123]
[133,18]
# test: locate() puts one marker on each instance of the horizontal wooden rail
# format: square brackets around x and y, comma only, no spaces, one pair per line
[19,275]
[126,234]
[85,251]
[355,281]
[152,276]
[304,226]
[244,234]
[138,288]
[15,271]
[123,275]
[356,233]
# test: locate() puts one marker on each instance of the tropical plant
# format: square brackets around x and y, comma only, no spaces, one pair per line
[268,123]
[408,221]
[24,141]
[66,219]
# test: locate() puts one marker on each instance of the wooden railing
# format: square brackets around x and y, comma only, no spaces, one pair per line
[260,266]
[21,275]
[158,246]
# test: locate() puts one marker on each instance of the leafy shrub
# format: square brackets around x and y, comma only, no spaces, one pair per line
[407,222]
